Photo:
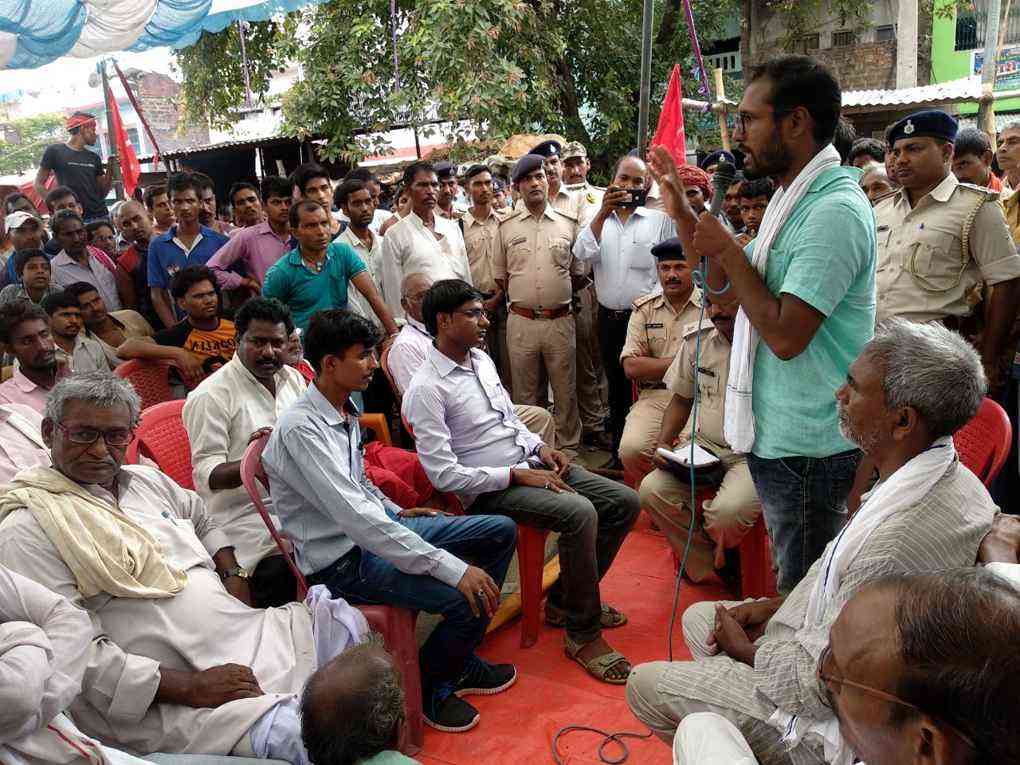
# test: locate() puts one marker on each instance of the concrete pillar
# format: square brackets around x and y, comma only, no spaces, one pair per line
[906,44]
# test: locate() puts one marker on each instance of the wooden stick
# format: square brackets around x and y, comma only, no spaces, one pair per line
[720,97]
[511,607]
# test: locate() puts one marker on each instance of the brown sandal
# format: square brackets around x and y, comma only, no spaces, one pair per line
[610,618]
[600,666]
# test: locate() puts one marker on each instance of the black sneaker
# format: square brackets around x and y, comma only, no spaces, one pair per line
[447,712]
[483,679]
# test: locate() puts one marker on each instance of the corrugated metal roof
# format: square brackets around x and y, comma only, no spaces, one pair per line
[964,89]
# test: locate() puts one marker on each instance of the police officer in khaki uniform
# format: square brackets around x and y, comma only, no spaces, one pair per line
[575,178]
[592,389]
[480,226]
[939,240]
[735,507]
[534,265]
[654,334]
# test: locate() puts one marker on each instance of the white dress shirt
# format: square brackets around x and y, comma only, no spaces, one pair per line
[408,352]
[467,432]
[623,263]
[410,247]
[21,442]
[220,415]
[372,257]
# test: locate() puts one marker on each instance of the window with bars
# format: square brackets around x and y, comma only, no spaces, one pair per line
[885,33]
[806,43]
[844,38]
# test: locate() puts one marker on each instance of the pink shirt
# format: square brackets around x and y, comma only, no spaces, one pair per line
[258,247]
[21,444]
[20,390]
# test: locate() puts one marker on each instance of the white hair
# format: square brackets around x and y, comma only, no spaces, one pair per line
[931,369]
[100,389]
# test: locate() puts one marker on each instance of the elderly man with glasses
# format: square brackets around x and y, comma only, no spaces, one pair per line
[755,663]
[177,661]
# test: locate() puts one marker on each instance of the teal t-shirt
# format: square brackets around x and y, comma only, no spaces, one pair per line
[824,255]
[291,282]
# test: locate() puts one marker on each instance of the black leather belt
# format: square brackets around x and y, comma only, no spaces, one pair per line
[614,314]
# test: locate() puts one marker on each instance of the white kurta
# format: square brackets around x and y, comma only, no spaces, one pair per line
[220,415]
[203,626]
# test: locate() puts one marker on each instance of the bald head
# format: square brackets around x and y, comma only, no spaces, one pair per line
[352,708]
[412,292]
[135,223]
[628,169]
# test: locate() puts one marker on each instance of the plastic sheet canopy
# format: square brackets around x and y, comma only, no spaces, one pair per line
[35,32]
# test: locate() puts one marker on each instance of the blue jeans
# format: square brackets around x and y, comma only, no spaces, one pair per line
[486,541]
[804,503]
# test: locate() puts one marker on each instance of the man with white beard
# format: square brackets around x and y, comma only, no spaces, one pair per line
[908,391]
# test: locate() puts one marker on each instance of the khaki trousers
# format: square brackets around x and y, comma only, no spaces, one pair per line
[640,434]
[591,384]
[538,421]
[725,519]
[545,348]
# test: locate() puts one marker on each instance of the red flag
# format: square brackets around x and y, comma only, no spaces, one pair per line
[130,170]
[670,132]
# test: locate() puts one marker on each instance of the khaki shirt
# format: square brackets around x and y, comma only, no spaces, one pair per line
[1011,204]
[710,372]
[656,328]
[589,200]
[479,237]
[918,272]
[534,258]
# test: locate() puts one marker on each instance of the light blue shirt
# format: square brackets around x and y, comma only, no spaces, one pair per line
[467,432]
[326,504]
[825,255]
[623,263]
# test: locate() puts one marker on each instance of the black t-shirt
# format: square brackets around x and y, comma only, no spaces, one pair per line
[78,171]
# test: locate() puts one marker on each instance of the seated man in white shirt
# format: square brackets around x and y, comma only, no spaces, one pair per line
[44,651]
[232,407]
[176,661]
[471,442]
[411,348]
[21,442]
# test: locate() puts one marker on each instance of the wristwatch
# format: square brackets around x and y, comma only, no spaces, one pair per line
[233,571]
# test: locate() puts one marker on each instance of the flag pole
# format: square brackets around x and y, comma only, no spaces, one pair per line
[113,159]
[646,76]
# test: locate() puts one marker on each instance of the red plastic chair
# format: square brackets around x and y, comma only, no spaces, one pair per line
[396,625]
[757,575]
[161,437]
[151,379]
[984,443]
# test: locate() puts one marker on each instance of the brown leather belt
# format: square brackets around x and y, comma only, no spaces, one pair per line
[540,313]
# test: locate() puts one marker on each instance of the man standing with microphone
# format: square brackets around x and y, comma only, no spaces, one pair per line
[806,290]
[618,243]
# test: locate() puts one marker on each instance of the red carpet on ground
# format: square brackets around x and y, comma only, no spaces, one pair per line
[517,727]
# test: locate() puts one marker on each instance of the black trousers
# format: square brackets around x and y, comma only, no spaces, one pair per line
[612,336]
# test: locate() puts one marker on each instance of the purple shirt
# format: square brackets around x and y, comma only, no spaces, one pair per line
[258,247]
[20,390]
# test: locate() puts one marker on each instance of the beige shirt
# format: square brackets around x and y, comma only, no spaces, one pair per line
[656,329]
[132,324]
[918,270]
[220,415]
[589,200]
[201,626]
[372,257]
[479,238]
[710,372]
[410,247]
[534,258]
[88,355]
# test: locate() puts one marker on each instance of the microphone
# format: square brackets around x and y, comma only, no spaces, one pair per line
[725,172]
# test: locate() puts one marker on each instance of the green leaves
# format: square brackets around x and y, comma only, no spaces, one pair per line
[26,139]
[492,67]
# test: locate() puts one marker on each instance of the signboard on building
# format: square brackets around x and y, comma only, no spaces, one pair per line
[1007,74]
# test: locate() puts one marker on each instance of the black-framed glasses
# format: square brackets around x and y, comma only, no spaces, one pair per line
[88,436]
[828,680]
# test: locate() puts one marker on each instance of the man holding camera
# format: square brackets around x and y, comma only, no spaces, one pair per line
[618,244]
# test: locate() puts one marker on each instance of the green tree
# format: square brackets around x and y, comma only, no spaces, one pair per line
[494,67]
[26,139]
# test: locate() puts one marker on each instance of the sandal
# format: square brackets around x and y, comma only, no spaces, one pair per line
[610,619]
[600,666]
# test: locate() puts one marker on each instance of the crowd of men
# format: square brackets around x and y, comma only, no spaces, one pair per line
[806,349]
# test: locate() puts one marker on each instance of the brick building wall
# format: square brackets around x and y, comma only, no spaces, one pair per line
[865,66]
[159,97]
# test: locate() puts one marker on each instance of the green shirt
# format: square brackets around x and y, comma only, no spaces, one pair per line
[825,255]
[291,282]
